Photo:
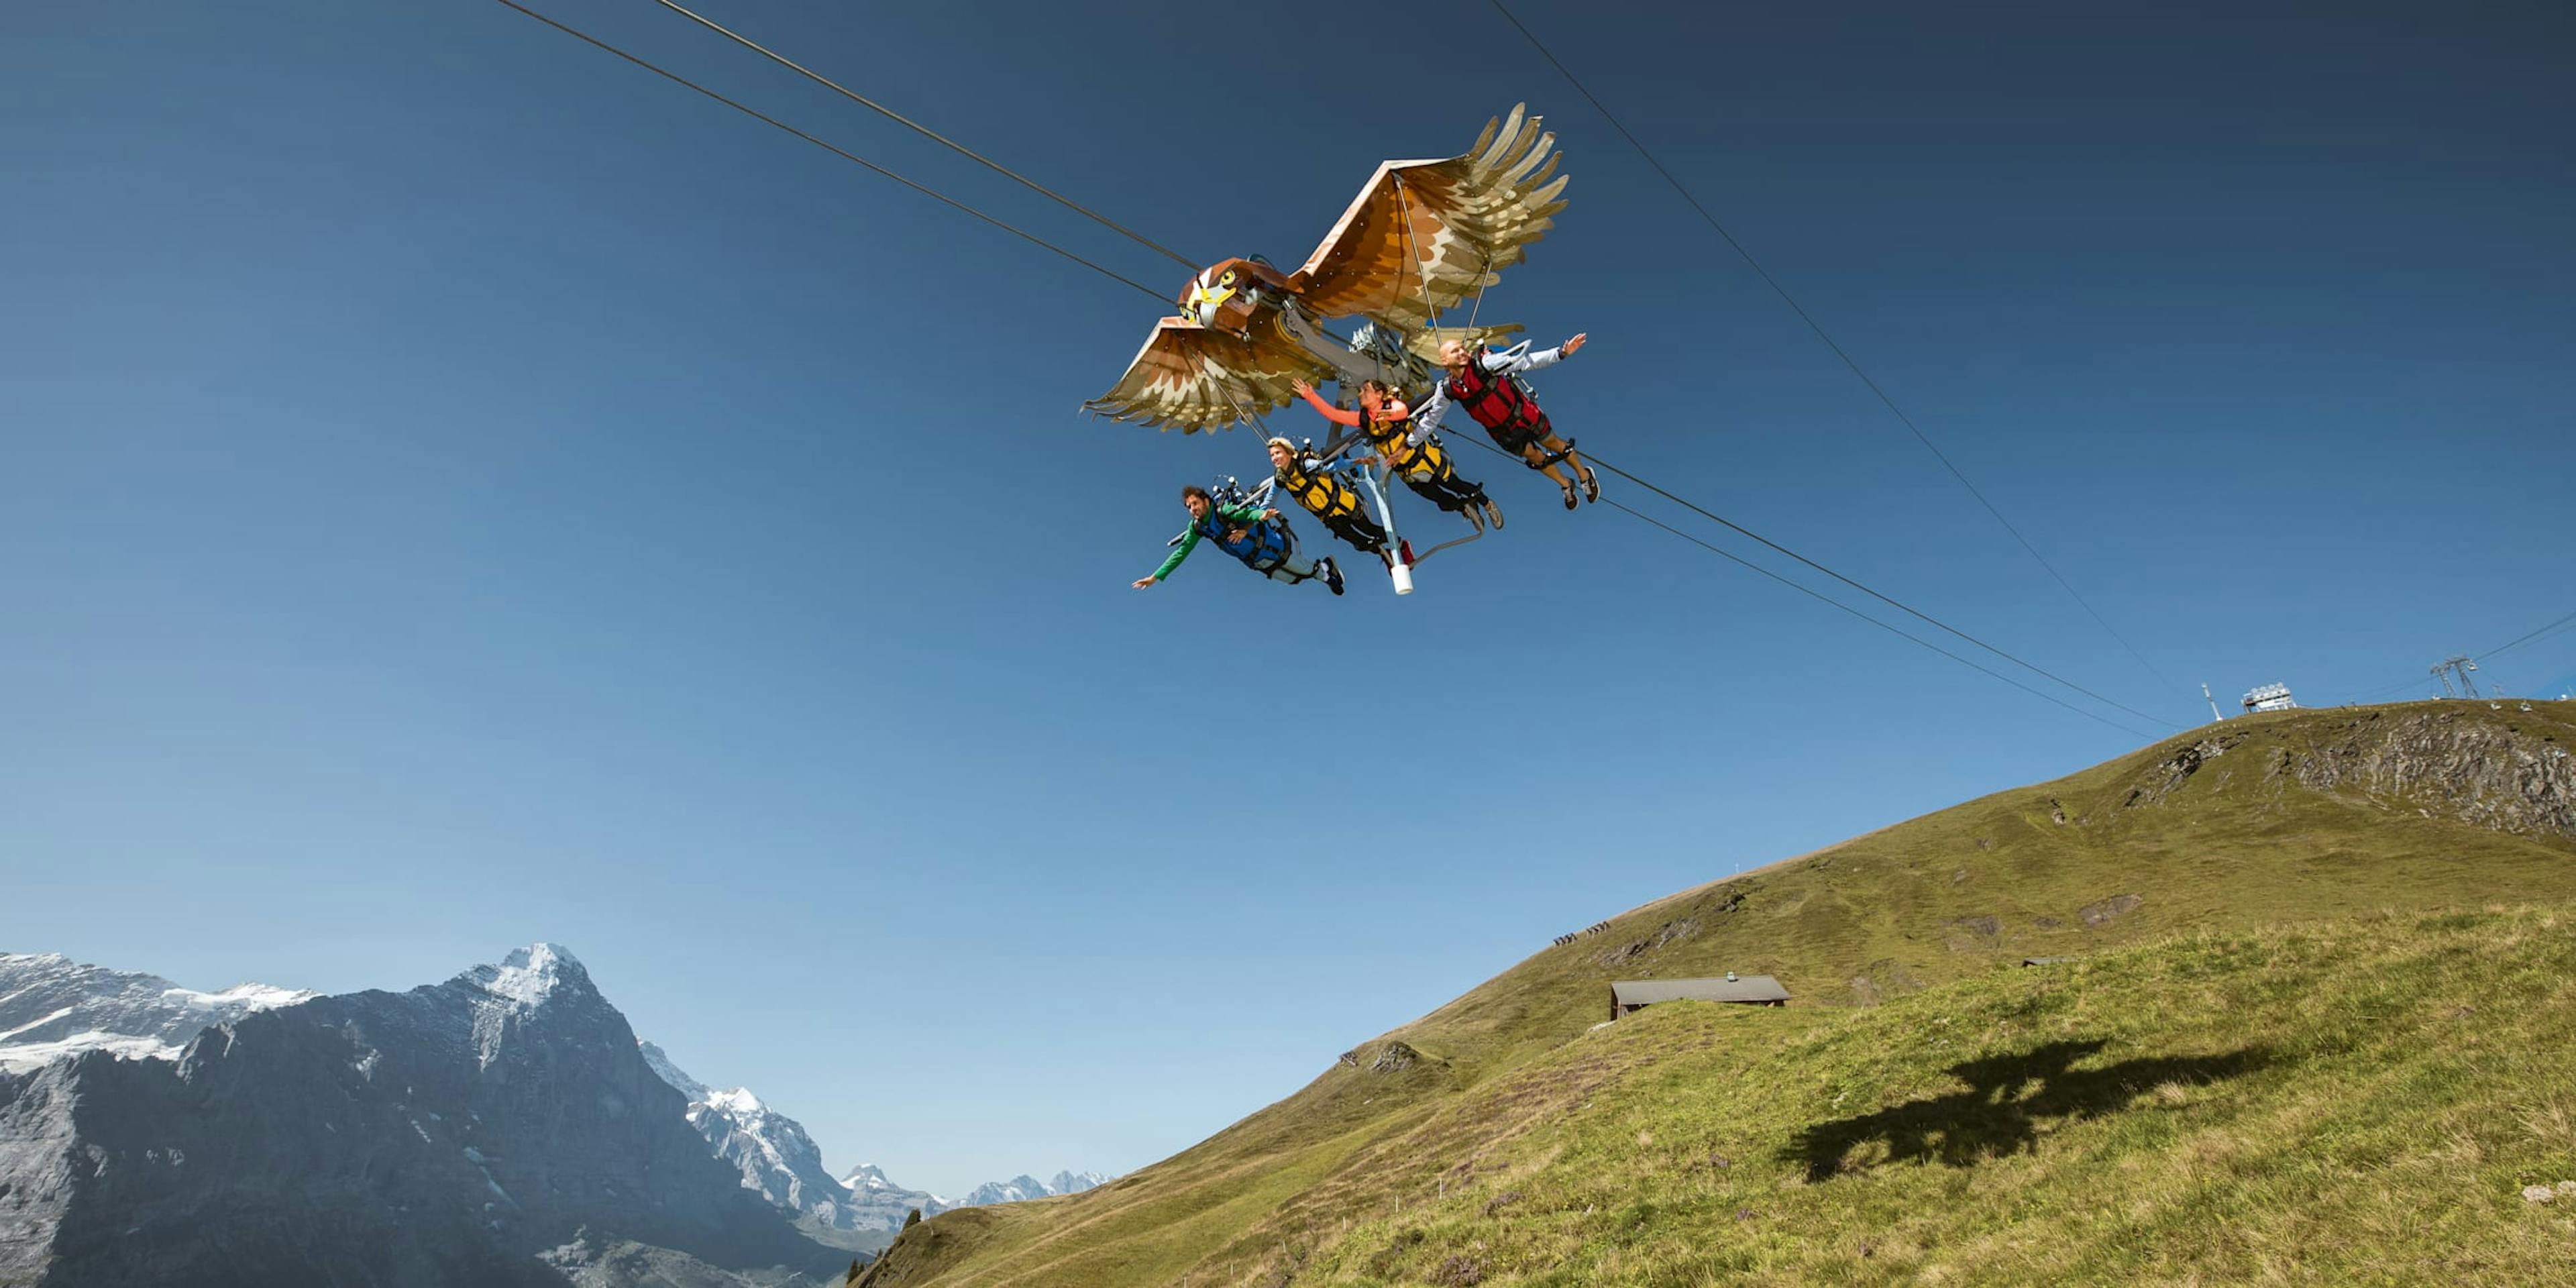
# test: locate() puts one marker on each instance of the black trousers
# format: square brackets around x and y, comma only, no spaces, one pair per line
[1361,531]
[1446,490]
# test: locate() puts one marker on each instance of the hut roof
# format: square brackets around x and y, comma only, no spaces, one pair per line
[1747,988]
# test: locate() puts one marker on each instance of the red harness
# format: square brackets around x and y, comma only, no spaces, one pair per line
[1497,402]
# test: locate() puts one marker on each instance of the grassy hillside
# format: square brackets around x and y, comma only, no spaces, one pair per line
[2290,852]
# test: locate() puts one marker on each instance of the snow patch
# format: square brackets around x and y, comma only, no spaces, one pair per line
[528,976]
[525,980]
[35,1055]
[34,1024]
[737,1103]
[245,997]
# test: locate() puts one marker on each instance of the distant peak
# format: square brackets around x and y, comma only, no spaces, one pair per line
[737,1101]
[529,976]
[540,956]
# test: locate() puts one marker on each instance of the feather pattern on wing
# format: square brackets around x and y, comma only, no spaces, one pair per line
[1424,235]
[1196,378]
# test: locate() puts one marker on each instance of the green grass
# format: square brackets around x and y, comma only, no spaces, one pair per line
[2299,909]
[2346,1103]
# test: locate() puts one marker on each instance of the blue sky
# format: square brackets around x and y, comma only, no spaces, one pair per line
[461,490]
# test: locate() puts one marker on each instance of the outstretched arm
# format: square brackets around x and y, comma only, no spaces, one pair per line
[1338,415]
[1428,417]
[1189,542]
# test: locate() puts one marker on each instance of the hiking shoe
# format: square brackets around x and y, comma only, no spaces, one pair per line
[1591,486]
[1493,515]
[1332,574]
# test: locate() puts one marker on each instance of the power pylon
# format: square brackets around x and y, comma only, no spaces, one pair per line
[2458,667]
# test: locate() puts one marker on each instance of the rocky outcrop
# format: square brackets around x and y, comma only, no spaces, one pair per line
[2458,760]
[500,1128]
[2494,775]
[2105,911]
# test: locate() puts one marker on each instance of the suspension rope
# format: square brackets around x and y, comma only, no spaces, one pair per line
[1900,605]
[1741,530]
[1158,297]
[926,132]
[2509,645]
[1812,593]
[1829,342]
[852,157]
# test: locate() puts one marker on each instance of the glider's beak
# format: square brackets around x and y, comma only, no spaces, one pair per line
[1208,292]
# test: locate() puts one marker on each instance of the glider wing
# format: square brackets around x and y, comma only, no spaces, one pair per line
[1199,378]
[1425,235]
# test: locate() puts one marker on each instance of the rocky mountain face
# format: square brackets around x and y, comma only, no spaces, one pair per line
[779,1160]
[502,1128]
[52,1006]
[877,1201]
[775,1156]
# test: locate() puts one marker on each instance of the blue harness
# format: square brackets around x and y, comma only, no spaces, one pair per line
[1265,545]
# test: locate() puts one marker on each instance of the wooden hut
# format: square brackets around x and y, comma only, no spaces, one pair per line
[1750,990]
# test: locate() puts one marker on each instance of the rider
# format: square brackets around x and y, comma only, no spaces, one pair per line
[1416,456]
[1328,498]
[1258,537]
[1489,388]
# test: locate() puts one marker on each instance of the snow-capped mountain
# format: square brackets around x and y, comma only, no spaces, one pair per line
[779,1160]
[1019,1189]
[501,1129]
[53,1006]
[875,1196]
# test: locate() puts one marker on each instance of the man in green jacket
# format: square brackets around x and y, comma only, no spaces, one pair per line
[1258,537]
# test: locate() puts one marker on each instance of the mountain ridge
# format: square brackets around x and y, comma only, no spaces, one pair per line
[2283,818]
[498,1127]
[52,1006]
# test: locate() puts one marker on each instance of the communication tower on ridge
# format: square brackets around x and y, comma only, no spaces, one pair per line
[2269,697]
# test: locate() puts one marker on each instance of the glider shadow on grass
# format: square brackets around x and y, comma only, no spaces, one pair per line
[2007,1099]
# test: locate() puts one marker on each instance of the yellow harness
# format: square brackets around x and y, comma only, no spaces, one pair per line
[1323,495]
[1426,463]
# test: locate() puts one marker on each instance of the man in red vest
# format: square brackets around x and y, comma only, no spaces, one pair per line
[1487,383]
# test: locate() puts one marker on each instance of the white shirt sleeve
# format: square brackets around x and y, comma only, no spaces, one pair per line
[1426,417]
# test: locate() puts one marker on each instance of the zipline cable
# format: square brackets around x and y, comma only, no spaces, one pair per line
[1812,593]
[1733,526]
[1113,275]
[853,157]
[2525,638]
[2516,642]
[1838,350]
[926,132]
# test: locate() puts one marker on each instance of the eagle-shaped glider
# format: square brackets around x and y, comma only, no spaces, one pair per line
[1421,237]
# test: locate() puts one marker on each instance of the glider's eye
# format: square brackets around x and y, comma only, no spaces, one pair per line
[1228,279]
